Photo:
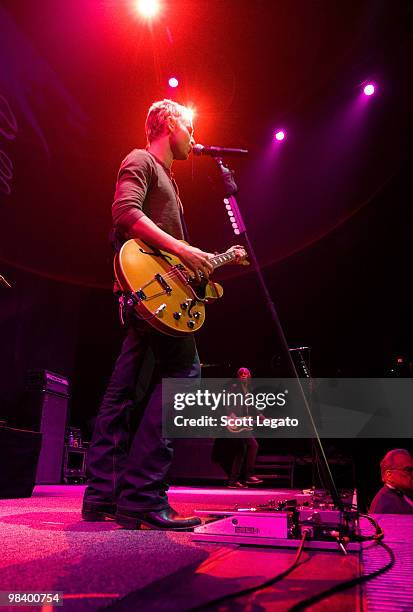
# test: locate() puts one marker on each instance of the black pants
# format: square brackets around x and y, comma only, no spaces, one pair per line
[236,456]
[132,472]
[243,461]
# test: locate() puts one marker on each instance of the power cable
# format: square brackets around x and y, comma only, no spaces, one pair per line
[259,587]
[309,601]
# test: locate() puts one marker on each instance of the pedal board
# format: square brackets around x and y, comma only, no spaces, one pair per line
[326,529]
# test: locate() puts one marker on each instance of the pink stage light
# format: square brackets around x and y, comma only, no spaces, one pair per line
[173,82]
[280,135]
[189,113]
[369,89]
[148,8]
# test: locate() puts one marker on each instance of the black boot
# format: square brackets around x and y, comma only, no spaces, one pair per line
[98,511]
[166,519]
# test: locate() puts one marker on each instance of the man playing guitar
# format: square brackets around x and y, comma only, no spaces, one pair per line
[126,478]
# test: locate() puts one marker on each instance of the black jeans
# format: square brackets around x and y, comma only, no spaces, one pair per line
[132,472]
[243,462]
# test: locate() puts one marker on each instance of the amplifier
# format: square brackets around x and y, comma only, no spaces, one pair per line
[74,464]
[52,411]
[43,380]
[46,410]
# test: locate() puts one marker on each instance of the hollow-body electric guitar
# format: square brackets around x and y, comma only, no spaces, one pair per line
[162,290]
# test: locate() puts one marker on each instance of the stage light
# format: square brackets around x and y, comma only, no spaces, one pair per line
[173,82]
[148,8]
[280,135]
[369,89]
[232,217]
[189,113]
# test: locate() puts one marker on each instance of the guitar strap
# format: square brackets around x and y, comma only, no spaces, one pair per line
[184,226]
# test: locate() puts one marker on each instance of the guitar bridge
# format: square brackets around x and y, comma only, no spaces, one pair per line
[163,283]
[182,273]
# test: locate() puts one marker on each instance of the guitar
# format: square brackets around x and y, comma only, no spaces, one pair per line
[162,290]
[237,428]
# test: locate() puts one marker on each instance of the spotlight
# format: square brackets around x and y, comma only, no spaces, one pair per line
[173,82]
[189,113]
[280,135]
[148,8]
[369,89]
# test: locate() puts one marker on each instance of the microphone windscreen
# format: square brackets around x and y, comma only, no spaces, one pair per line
[197,149]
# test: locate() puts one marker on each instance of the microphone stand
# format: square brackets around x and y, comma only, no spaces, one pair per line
[230,191]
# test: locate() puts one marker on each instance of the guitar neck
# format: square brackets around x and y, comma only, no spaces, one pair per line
[222,259]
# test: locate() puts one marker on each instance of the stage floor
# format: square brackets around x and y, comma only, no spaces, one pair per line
[47,547]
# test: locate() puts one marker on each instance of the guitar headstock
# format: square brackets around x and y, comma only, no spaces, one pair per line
[240,254]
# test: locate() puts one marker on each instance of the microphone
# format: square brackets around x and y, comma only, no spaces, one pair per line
[199,149]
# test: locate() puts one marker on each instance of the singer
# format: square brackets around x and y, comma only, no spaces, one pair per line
[126,477]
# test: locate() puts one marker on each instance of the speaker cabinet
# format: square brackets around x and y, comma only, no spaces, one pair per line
[52,412]
[19,454]
[44,409]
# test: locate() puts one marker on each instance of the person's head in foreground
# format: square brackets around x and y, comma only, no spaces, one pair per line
[396,496]
[397,470]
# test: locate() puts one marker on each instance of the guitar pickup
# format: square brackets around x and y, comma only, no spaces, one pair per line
[163,283]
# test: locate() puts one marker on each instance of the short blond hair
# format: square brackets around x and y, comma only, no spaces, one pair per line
[158,114]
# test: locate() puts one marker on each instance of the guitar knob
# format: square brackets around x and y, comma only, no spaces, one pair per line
[177,315]
[197,314]
[184,305]
[191,324]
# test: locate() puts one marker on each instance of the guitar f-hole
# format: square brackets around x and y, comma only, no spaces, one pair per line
[156,254]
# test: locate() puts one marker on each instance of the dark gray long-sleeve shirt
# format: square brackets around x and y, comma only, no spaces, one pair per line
[145,187]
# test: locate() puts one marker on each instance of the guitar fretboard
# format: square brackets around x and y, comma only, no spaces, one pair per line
[222,259]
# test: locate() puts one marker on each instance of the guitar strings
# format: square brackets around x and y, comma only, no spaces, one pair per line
[174,271]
